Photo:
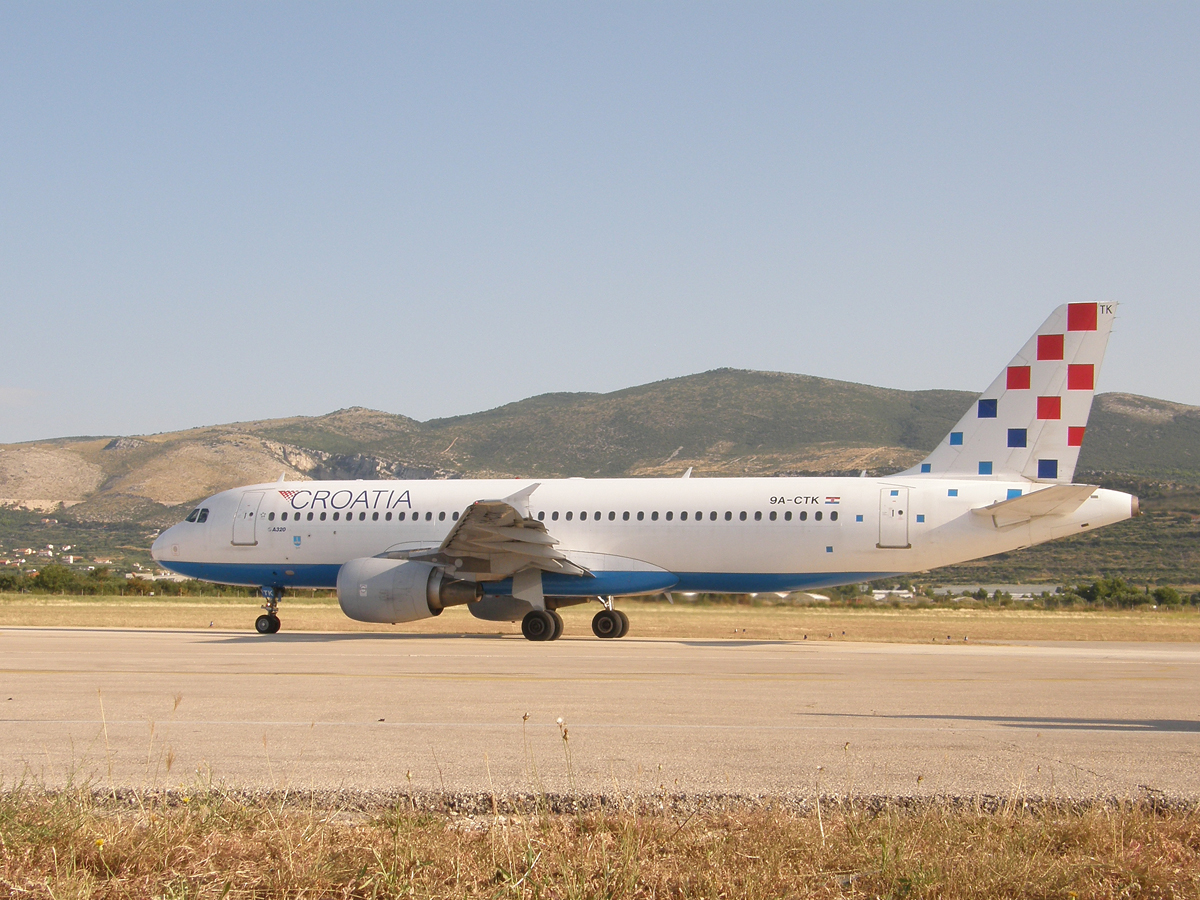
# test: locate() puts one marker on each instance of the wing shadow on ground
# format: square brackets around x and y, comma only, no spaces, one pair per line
[1055,723]
[300,637]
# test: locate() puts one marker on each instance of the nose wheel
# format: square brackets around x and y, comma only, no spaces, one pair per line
[268,623]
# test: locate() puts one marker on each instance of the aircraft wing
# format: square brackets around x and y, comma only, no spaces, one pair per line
[1056,500]
[494,539]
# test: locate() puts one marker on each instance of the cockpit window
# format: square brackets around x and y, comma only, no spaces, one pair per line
[192,515]
[203,517]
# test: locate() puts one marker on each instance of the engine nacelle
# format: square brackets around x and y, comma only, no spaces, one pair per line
[398,590]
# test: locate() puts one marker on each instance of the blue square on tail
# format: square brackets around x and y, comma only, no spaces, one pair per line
[1017,437]
[1047,468]
[987,409]
[1013,493]
[985,468]
[956,439]
[926,468]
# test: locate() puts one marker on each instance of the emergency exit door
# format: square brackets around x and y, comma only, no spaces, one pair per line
[893,518]
[247,516]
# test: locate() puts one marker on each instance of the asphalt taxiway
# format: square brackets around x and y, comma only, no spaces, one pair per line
[155,709]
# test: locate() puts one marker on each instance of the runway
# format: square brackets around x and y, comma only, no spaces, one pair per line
[155,709]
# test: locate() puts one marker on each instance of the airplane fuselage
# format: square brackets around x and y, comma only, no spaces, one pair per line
[634,536]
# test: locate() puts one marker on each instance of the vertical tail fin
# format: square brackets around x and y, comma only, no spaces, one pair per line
[1030,422]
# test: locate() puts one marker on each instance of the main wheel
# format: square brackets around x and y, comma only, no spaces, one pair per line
[538,625]
[606,624]
[624,623]
[558,624]
[274,624]
[266,624]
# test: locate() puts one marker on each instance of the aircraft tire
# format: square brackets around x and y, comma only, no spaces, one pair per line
[266,624]
[624,623]
[538,625]
[606,624]
[558,624]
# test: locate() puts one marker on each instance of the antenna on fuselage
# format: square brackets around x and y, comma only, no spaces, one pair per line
[688,473]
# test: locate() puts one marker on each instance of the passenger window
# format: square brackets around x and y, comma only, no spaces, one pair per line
[441,517]
[554,516]
[713,516]
[833,516]
[612,516]
[322,517]
[270,517]
[428,517]
[374,517]
[192,515]
[803,515]
[400,516]
[542,516]
[787,516]
[699,516]
[728,516]
[641,515]
[583,516]
[682,516]
[388,517]
[670,515]
[758,517]
[310,517]
[362,517]
[454,517]
[625,516]
[742,515]
[817,515]
[774,515]
[654,516]
[335,516]
[570,515]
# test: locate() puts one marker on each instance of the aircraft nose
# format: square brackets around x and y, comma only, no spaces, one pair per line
[159,548]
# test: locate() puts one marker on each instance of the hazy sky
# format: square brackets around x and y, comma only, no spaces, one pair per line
[214,212]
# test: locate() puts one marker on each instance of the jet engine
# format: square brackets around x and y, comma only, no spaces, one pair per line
[393,591]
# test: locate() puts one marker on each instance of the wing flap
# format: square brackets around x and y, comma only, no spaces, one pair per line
[495,539]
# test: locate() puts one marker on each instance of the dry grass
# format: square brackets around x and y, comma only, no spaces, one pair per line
[649,618]
[213,845]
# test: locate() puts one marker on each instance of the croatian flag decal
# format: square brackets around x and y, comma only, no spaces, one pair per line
[296,539]
[832,501]
[288,495]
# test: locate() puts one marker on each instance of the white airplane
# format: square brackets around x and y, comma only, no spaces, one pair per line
[398,551]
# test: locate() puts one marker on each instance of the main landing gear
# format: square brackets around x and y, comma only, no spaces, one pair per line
[268,623]
[610,623]
[542,625]
[547,624]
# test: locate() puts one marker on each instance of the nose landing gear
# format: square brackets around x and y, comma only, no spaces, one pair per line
[268,623]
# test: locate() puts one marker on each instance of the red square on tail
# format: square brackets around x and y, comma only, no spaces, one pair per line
[1050,346]
[1081,317]
[1075,436]
[1081,377]
[1018,378]
[1049,408]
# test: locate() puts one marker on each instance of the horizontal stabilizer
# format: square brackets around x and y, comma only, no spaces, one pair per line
[1057,500]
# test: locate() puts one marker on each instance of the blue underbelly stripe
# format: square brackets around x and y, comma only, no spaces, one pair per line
[554,585]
